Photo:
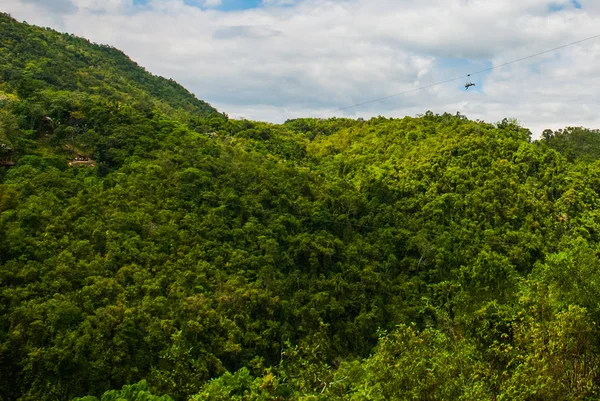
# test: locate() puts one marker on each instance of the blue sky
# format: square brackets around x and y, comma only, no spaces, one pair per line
[311,58]
[554,7]
[226,5]
[232,5]
[229,5]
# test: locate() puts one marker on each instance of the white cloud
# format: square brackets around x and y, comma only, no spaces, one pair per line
[279,2]
[55,6]
[212,3]
[103,6]
[288,58]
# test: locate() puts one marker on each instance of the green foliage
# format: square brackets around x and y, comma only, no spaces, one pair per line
[575,143]
[409,365]
[35,59]
[416,258]
[134,392]
[65,95]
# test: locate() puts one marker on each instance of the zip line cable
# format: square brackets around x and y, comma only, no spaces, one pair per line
[473,73]
[426,87]
[429,236]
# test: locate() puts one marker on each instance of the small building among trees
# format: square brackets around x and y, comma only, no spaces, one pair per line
[83,161]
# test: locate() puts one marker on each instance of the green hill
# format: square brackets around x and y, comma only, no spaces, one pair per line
[417,258]
[575,143]
[65,94]
[35,59]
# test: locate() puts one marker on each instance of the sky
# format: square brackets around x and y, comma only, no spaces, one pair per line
[272,60]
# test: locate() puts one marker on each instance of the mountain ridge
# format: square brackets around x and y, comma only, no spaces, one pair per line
[205,258]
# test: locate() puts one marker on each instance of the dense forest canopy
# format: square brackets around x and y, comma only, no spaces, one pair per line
[203,258]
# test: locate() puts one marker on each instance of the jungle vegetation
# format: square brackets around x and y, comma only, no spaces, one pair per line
[206,258]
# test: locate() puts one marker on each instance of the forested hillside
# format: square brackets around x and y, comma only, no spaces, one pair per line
[68,95]
[202,258]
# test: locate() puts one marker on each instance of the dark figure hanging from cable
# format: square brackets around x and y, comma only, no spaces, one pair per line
[469,84]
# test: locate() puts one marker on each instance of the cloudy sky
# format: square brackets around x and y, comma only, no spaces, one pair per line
[272,60]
